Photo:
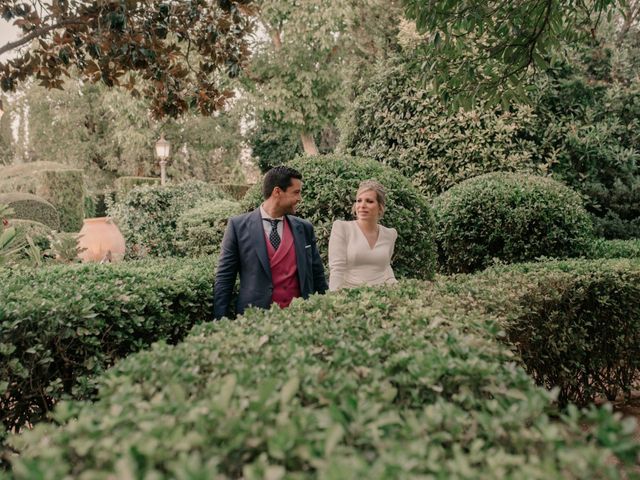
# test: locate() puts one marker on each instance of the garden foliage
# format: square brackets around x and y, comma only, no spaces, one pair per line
[27,206]
[329,186]
[148,215]
[66,191]
[400,382]
[601,248]
[199,231]
[509,217]
[62,325]
[400,122]
[60,185]
[574,324]
[123,185]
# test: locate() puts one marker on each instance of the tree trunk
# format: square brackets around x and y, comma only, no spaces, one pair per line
[309,144]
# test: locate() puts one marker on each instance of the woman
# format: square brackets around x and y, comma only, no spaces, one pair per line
[360,251]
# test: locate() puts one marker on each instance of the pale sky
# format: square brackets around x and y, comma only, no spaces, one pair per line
[8,33]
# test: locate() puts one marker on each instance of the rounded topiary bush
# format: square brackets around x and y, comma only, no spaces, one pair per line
[148,215]
[328,192]
[27,206]
[200,230]
[509,217]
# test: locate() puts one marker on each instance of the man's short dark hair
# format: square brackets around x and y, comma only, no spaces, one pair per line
[279,176]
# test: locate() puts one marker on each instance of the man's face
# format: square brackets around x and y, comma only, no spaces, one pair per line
[288,199]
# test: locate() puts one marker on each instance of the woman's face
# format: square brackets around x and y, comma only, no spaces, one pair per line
[367,206]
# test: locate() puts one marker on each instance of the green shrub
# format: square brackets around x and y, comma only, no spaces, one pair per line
[62,325]
[27,206]
[601,248]
[575,325]
[147,215]
[199,231]
[123,185]
[387,383]
[329,186]
[401,122]
[39,232]
[509,217]
[235,191]
[65,190]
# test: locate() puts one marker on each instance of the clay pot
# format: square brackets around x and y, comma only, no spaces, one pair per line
[102,240]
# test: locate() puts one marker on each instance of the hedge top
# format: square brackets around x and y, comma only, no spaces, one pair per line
[402,382]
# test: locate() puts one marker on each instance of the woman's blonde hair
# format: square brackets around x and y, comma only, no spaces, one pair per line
[374,186]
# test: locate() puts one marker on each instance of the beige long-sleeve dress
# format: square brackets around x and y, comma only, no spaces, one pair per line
[353,263]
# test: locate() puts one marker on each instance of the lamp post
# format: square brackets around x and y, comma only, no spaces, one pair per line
[163,149]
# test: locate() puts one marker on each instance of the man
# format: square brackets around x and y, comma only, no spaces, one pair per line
[274,252]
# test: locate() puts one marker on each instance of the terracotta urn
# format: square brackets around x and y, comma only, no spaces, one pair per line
[102,240]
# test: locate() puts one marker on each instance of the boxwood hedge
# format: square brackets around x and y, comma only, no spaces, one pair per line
[509,217]
[27,206]
[390,383]
[60,326]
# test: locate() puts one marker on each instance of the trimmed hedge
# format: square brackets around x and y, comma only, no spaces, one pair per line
[509,217]
[574,324]
[147,216]
[29,169]
[389,383]
[329,185]
[199,231]
[601,248]
[123,185]
[27,206]
[64,189]
[60,326]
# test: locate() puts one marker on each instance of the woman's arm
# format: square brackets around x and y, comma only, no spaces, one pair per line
[337,255]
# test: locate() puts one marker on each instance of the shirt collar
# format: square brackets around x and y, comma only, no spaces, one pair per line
[264,214]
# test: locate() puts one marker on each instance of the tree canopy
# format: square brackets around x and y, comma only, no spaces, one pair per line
[484,49]
[172,52]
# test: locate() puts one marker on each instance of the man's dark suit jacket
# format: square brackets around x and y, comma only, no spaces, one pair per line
[244,250]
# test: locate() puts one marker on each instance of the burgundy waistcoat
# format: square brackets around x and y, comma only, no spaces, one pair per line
[284,269]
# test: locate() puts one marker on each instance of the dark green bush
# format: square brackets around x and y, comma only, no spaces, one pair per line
[27,206]
[60,326]
[601,248]
[574,324]
[123,185]
[587,130]
[387,383]
[401,122]
[509,217]
[147,215]
[199,231]
[66,191]
[329,186]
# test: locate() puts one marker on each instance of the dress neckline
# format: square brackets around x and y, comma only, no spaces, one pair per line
[375,244]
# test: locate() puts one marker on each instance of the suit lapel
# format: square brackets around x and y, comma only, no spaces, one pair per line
[298,240]
[259,243]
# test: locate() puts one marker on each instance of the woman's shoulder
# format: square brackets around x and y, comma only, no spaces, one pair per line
[342,223]
[389,231]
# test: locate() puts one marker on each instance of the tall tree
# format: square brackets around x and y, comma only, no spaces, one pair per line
[299,74]
[177,49]
[108,133]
